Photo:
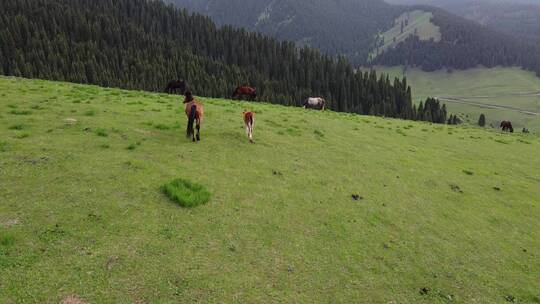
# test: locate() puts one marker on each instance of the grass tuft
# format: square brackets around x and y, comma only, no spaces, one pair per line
[186,193]
[468,172]
[3,146]
[20,112]
[162,127]
[319,133]
[90,113]
[7,240]
[22,135]
[17,127]
[102,133]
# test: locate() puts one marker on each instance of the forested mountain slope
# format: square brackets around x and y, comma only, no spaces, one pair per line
[342,27]
[142,44]
[352,28]
[510,16]
[464,44]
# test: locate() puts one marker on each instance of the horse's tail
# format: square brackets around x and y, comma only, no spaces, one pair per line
[249,120]
[191,120]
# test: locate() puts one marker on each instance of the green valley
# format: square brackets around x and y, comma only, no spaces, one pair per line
[500,93]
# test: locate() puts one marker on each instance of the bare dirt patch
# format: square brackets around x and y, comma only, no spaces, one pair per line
[145,132]
[111,261]
[70,121]
[73,300]
[10,222]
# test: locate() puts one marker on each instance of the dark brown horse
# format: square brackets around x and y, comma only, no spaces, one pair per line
[245,91]
[507,126]
[195,114]
[176,86]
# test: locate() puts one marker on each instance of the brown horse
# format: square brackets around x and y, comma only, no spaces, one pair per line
[244,91]
[507,126]
[249,121]
[176,86]
[195,114]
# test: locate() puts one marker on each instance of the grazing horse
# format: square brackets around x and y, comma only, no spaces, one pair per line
[507,126]
[176,86]
[195,114]
[525,130]
[249,121]
[242,91]
[314,103]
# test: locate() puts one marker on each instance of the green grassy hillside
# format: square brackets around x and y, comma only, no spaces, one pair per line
[444,214]
[500,93]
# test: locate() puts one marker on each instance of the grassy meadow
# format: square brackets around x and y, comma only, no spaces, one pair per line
[324,207]
[506,87]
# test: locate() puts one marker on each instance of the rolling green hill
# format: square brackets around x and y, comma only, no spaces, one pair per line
[416,23]
[500,93]
[514,17]
[443,214]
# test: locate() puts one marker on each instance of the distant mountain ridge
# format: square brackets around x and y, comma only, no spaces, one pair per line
[515,17]
[354,29]
[338,27]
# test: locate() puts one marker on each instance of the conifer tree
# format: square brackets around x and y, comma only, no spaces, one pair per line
[482,120]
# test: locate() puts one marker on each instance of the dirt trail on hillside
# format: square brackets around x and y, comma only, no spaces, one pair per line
[468,101]
[529,94]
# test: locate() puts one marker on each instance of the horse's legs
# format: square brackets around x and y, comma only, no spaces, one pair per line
[198,130]
[249,131]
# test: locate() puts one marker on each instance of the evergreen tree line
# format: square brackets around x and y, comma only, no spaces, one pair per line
[432,111]
[464,44]
[142,44]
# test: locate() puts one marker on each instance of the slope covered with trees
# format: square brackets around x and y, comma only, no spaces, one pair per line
[513,17]
[351,27]
[343,27]
[140,44]
[464,44]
